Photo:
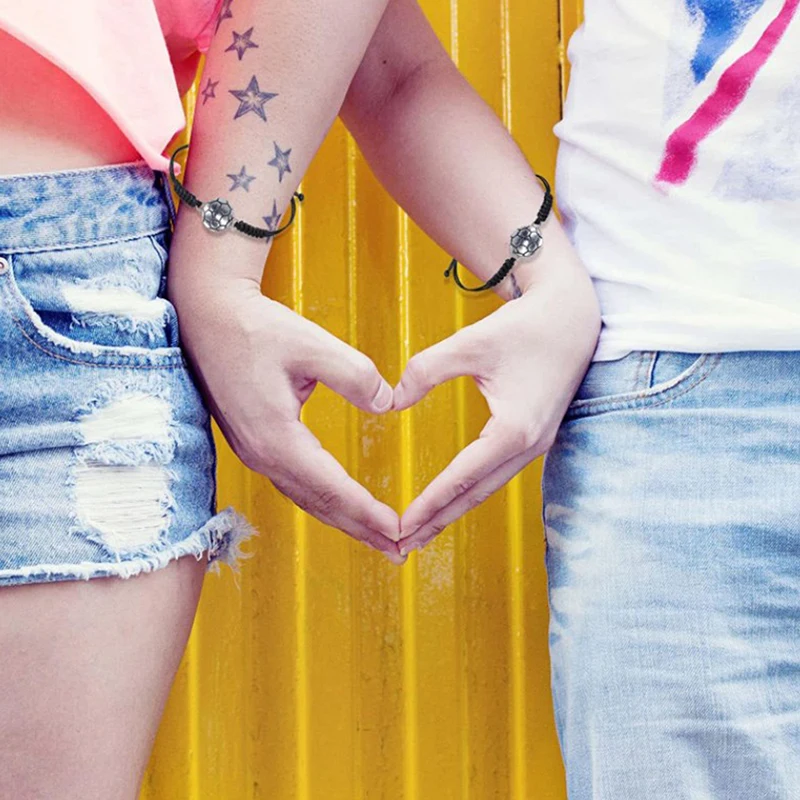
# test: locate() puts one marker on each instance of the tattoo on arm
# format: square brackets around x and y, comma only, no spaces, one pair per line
[274,218]
[251,98]
[281,161]
[241,42]
[224,13]
[208,92]
[241,179]
[515,291]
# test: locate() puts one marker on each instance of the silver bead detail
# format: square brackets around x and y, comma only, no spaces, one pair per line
[526,241]
[217,214]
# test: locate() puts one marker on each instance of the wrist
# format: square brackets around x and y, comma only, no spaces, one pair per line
[199,256]
[555,262]
[206,295]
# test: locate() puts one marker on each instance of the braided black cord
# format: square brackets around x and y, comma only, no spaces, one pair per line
[263,233]
[185,195]
[547,203]
[544,212]
[240,225]
[493,281]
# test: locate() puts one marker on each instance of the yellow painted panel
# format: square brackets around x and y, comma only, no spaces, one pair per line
[326,673]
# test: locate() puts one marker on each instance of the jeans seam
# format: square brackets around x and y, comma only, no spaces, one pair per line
[639,363]
[650,367]
[162,258]
[90,363]
[642,400]
[82,245]
[100,169]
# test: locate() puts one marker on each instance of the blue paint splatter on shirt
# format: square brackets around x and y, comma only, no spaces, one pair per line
[724,21]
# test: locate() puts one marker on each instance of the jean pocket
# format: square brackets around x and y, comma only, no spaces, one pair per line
[101,304]
[640,379]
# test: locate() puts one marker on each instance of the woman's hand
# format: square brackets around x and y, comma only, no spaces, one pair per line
[528,359]
[258,362]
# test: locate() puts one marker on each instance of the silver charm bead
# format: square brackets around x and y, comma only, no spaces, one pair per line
[526,241]
[217,214]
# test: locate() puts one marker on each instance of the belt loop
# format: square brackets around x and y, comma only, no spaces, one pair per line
[170,200]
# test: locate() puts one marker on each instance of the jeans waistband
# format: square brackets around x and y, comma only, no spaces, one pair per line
[76,207]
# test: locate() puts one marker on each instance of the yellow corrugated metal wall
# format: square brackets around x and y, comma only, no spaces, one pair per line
[330,673]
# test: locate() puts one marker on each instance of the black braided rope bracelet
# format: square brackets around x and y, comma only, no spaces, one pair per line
[218,214]
[524,243]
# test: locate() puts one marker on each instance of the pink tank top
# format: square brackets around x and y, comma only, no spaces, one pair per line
[121,52]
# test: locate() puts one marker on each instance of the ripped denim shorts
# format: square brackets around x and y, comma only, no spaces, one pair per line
[107,459]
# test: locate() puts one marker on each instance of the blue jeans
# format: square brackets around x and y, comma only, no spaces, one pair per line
[107,460]
[672,530]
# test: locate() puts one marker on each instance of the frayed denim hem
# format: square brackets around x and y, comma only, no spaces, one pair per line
[221,537]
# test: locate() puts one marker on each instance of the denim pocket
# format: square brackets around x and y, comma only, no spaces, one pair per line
[101,304]
[641,379]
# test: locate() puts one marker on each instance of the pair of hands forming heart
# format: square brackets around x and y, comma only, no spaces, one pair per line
[258,362]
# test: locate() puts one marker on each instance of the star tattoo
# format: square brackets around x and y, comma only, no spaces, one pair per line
[242,179]
[274,218]
[208,92]
[281,161]
[251,98]
[241,43]
[224,13]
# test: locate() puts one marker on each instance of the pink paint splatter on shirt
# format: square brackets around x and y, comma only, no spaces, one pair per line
[681,150]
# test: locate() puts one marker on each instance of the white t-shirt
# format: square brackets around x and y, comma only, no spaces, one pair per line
[679,172]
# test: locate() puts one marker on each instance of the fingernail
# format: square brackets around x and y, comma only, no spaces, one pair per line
[407,548]
[383,400]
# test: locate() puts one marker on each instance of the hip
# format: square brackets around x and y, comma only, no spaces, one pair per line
[107,459]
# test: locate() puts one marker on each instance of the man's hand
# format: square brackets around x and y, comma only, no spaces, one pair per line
[528,359]
[258,362]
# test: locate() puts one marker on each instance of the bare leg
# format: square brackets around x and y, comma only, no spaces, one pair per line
[86,668]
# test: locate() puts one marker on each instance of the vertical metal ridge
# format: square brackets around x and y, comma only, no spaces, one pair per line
[248,613]
[408,575]
[454,31]
[514,523]
[516,626]
[353,445]
[193,713]
[193,654]
[460,559]
[505,61]
[562,57]
[300,563]
[570,16]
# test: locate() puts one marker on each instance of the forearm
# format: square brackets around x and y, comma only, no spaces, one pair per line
[253,147]
[445,156]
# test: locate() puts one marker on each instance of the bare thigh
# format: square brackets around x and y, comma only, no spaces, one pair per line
[86,670]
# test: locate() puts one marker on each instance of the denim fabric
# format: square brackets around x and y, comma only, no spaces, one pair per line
[107,460]
[672,535]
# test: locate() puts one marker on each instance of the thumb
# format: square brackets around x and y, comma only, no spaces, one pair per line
[352,375]
[437,364]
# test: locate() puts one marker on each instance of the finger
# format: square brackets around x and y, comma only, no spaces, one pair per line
[311,477]
[313,503]
[396,558]
[351,374]
[437,364]
[496,445]
[467,501]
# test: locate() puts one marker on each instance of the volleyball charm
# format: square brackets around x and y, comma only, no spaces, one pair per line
[217,214]
[526,241]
